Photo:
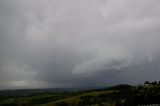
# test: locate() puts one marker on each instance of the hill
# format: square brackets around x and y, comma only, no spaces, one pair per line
[120,95]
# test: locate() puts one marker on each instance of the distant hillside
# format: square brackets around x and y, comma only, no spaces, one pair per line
[120,95]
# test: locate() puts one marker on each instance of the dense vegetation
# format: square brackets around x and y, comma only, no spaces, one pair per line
[120,95]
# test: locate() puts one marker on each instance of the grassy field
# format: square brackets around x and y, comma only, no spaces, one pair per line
[120,95]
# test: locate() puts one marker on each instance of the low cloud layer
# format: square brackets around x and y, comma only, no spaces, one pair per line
[78,43]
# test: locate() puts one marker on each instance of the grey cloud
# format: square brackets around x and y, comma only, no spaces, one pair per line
[59,43]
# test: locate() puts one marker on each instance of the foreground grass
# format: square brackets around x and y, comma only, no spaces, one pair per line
[94,98]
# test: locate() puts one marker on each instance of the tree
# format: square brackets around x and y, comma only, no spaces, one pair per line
[147,82]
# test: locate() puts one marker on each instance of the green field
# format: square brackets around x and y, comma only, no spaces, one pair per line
[120,95]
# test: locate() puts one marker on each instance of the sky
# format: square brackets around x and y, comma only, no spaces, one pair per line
[78,43]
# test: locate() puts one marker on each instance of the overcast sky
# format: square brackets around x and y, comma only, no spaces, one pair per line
[78,43]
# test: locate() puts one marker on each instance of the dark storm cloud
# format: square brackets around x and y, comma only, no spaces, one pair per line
[75,43]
